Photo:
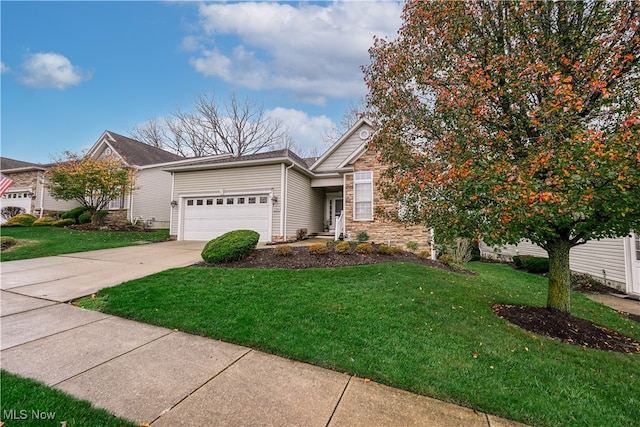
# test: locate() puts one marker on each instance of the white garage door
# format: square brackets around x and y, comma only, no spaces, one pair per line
[17,198]
[206,218]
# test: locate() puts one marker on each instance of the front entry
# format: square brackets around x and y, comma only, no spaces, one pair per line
[335,209]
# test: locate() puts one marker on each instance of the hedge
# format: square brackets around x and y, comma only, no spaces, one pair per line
[232,246]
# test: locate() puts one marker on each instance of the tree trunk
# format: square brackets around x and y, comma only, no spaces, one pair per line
[559,275]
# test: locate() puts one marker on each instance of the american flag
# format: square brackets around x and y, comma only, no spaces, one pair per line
[5,183]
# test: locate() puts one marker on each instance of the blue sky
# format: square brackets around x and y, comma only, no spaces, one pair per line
[71,70]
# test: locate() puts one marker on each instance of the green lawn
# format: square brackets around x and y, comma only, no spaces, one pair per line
[35,242]
[407,326]
[29,403]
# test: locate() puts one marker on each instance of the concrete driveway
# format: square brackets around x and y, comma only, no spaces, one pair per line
[63,278]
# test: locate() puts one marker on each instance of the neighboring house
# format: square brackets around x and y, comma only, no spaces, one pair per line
[614,261]
[277,193]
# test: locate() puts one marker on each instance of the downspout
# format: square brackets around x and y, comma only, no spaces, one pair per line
[285,198]
[42,183]
[283,174]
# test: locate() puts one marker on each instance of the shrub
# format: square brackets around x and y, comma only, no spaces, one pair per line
[11,211]
[389,250]
[63,222]
[232,246]
[535,265]
[301,233]
[364,248]
[318,249]
[412,246]
[424,254]
[7,241]
[362,237]
[446,259]
[460,251]
[283,250]
[517,260]
[22,220]
[44,221]
[343,248]
[84,218]
[73,213]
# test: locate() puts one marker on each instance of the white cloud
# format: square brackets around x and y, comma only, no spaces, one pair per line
[307,131]
[314,50]
[4,68]
[51,70]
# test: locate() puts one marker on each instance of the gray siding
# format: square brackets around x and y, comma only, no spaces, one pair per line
[152,197]
[51,204]
[226,180]
[304,205]
[599,258]
[342,152]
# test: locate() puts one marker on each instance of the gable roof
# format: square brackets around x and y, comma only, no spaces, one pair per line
[353,154]
[224,161]
[133,152]
[12,165]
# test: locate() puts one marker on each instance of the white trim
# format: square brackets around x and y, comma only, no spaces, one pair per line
[632,272]
[367,181]
[340,141]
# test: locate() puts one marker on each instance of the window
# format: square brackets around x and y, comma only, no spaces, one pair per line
[190,202]
[252,200]
[363,196]
[199,202]
[263,199]
[241,200]
[219,201]
[230,201]
[209,202]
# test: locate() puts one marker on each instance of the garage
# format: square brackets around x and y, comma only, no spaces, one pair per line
[17,198]
[205,218]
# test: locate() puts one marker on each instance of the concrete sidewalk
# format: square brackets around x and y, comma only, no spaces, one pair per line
[169,378]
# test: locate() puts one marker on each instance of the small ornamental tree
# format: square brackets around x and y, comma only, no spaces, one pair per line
[92,183]
[513,120]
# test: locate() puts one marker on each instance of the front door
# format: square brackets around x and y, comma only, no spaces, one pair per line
[335,209]
[635,266]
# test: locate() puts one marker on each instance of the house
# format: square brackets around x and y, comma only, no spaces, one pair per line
[616,262]
[149,202]
[277,193]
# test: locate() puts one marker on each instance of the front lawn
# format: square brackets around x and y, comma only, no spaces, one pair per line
[30,403]
[35,242]
[406,325]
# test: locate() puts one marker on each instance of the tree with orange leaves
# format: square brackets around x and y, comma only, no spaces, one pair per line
[513,120]
[91,182]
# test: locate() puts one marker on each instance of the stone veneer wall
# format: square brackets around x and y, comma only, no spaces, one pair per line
[379,229]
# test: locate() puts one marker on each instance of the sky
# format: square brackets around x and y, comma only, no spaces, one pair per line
[71,70]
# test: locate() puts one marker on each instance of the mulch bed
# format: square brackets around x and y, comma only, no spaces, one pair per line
[565,327]
[539,320]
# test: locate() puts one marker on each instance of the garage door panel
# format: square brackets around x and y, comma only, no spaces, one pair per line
[206,218]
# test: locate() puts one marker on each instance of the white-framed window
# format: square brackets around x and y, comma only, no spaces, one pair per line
[363,196]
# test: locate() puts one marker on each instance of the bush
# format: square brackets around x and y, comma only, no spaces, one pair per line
[73,213]
[364,248]
[424,254]
[318,249]
[301,233]
[460,251]
[283,250]
[7,242]
[362,237]
[445,259]
[517,260]
[11,211]
[389,250]
[44,221]
[412,246]
[343,248]
[22,220]
[232,246]
[535,265]
[63,222]
[84,218]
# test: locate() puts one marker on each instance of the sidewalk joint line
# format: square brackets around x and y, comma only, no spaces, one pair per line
[344,390]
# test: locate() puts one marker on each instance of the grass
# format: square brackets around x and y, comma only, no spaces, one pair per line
[29,403]
[35,242]
[407,326]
